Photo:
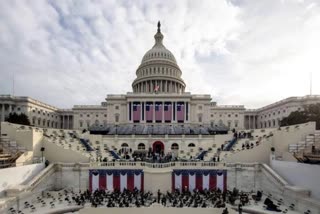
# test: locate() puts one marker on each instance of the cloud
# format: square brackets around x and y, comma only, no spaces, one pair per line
[239,51]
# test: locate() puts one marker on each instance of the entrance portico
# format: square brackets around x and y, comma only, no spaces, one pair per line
[157,147]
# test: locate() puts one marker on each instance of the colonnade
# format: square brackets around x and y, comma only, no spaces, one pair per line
[174,111]
[165,86]
[3,110]
[251,121]
[66,121]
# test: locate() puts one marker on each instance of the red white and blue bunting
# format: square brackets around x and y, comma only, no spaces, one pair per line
[199,179]
[118,179]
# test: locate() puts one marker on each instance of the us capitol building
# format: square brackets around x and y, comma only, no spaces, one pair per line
[158,97]
[157,139]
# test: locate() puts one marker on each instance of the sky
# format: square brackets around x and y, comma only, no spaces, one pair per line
[241,52]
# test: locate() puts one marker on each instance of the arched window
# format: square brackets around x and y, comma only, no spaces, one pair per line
[174,146]
[96,122]
[124,145]
[191,145]
[141,146]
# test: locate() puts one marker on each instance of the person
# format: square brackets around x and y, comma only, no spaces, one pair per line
[225,211]
[240,208]
[258,196]
[159,195]
[271,206]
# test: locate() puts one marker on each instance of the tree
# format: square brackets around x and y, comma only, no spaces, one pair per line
[18,119]
[311,113]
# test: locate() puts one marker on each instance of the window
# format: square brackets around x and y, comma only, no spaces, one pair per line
[141,146]
[117,107]
[97,115]
[229,115]
[80,115]
[124,145]
[105,115]
[211,115]
[19,108]
[236,124]
[88,115]
[200,119]
[81,124]
[174,146]
[229,124]
[236,115]
[191,145]
[200,107]
[117,118]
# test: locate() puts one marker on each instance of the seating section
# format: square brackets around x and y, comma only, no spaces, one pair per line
[141,129]
[74,140]
[201,155]
[86,144]
[230,144]
[114,155]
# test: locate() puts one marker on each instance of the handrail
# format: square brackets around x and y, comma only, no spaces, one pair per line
[271,172]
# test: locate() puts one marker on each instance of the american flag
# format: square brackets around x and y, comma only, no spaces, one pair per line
[199,179]
[180,111]
[158,114]
[149,111]
[168,111]
[136,111]
[116,179]
[156,88]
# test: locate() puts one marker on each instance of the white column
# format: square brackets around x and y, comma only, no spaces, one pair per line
[176,110]
[141,111]
[151,86]
[131,111]
[173,109]
[185,111]
[162,112]
[2,112]
[154,112]
[128,112]
[145,108]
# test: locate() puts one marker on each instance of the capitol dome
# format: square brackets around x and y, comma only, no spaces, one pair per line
[158,71]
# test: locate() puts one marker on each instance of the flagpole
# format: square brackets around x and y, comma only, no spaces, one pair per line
[310,83]
[13,85]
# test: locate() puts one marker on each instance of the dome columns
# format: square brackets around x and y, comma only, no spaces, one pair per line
[164,86]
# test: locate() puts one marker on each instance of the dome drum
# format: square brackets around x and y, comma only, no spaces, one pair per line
[159,85]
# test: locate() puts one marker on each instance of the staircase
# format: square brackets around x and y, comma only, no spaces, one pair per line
[9,154]
[114,155]
[230,144]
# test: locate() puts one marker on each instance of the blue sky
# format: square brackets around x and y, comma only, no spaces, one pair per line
[248,52]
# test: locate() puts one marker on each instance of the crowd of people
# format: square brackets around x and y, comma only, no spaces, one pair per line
[185,198]
[116,198]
